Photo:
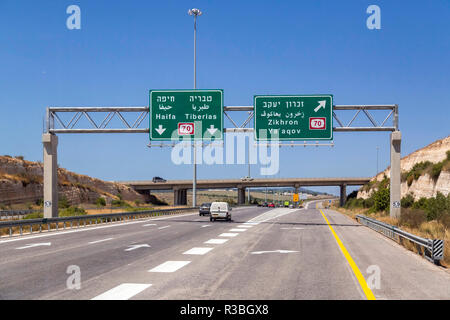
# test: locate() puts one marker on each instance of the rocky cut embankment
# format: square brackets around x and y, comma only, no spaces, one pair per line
[21,181]
[419,178]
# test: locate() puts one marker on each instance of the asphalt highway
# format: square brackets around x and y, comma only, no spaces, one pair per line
[264,253]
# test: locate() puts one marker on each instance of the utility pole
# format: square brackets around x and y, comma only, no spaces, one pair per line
[195,12]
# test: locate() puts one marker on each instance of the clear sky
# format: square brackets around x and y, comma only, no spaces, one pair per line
[125,48]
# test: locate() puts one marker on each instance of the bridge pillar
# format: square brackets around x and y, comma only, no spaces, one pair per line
[395,178]
[241,195]
[183,195]
[50,142]
[343,197]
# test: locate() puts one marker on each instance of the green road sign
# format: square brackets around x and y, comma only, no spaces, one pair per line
[305,117]
[193,114]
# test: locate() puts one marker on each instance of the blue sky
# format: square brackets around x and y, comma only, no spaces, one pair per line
[126,48]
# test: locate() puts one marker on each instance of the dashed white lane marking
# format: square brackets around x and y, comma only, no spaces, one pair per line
[160,228]
[47,244]
[198,251]
[149,224]
[137,246]
[238,230]
[274,251]
[244,226]
[251,223]
[122,292]
[228,234]
[169,266]
[206,225]
[216,241]
[98,241]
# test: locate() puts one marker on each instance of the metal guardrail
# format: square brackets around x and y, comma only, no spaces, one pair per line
[433,249]
[17,227]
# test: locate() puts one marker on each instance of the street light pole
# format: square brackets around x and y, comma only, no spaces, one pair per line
[377,161]
[195,12]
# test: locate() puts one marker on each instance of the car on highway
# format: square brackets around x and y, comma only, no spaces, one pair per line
[220,210]
[204,208]
[158,179]
[291,206]
[265,204]
[271,205]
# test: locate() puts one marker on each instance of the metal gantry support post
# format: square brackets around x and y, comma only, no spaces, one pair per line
[50,142]
[395,179]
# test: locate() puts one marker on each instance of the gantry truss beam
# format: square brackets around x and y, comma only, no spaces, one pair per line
[56,124]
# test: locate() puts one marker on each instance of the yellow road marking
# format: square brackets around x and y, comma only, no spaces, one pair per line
[358,274]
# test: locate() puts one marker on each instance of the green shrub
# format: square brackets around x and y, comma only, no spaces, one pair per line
[436,170]
[40,202]
[381,199]
[63,203]
[100,202]
[72,211]
[436,207]
[34,215]
[407,201]
[368,203]
[448,155]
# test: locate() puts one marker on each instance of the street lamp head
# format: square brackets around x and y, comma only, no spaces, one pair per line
[195,12]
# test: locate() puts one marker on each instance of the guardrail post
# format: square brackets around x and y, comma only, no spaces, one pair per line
[395,175]
[50,142]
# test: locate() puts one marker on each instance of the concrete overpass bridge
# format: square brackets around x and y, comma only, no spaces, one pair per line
[180,187]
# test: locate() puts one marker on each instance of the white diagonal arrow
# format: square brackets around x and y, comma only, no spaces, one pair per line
[212,130]
[274,251]
[160,129]
[321,105]
[35,245]
[137,246]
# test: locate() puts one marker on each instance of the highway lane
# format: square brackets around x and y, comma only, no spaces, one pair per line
[40,272]
[264,253]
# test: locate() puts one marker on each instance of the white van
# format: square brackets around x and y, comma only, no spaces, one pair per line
[220,210]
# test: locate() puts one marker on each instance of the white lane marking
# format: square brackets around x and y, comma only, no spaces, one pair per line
[251,223]
[206,225]
[89,228]
[274,251]
[228,234]
[198,251]
[137,246]
[272,214]
[35,245]
[244,226]
[238,230]
[216,241]
[122,292]
[98,241]
[169,266]
[294,228]
[149,224]
[160,228]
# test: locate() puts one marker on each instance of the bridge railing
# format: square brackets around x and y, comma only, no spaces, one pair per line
[431,249]
[19,227]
